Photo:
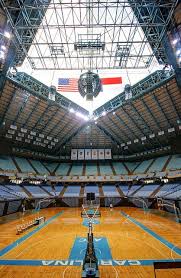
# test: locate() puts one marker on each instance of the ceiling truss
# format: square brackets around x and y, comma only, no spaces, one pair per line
[108,33]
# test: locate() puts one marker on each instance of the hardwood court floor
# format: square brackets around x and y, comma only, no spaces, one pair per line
[135,238]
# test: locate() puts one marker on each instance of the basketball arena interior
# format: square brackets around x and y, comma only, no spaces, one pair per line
[90,182]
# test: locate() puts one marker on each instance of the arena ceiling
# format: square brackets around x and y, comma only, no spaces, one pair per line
[148,121]
[82,35]
[88,34]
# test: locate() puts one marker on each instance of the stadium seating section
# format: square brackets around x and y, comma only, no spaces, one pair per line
[70,193]
[94,168]
[14,192]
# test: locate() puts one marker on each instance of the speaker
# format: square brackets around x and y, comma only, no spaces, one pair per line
[90,196]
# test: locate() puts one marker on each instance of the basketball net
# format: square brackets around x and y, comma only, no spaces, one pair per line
[87,207]
[162,203]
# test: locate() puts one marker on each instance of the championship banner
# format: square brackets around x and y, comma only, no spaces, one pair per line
[74,154]
[87,153]
[107,153]
[94,154]
[81,154]
[101,153]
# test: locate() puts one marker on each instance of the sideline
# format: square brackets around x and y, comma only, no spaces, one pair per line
[168,244]
[25,237]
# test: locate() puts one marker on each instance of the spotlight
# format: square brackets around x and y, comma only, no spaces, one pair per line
[71,110]
[80,115]
[114,112]
[104,113]
[7,35]
[95,122]
[85,118]
[174,41]
[3,47]
[178,52]
[2,55]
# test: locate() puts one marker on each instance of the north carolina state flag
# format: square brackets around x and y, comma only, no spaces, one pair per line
[111,80]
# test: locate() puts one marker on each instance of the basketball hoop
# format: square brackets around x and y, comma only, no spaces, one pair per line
[161,203]
[90,207]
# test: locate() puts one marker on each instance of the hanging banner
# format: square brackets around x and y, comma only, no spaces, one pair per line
[107,153]
[94,154]
[74,154]
[81,154]
[88,154]
[101,153]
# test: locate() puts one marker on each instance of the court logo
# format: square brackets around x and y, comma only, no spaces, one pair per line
[101,262]
[85,240]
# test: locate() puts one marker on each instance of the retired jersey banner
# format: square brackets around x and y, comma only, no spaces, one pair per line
[94,154]
[74,154]
[101,153]
[81,154]
[108,154]
[88,154]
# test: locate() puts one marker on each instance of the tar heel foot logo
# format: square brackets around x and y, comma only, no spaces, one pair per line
[85,240]
[101,262]
[97,239]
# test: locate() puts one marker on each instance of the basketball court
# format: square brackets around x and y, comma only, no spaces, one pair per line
[127,242]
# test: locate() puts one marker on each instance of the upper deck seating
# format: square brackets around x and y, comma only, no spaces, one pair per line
[51,166]
[143,166]
[6,163]
[63,169]
[77,169]
[174,163]
[24,165]
[105,168]
[158,164]
[39,167]
[119,168]
[131,165]
[91,168]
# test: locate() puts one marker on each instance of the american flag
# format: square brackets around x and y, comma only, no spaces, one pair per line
[67,85]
